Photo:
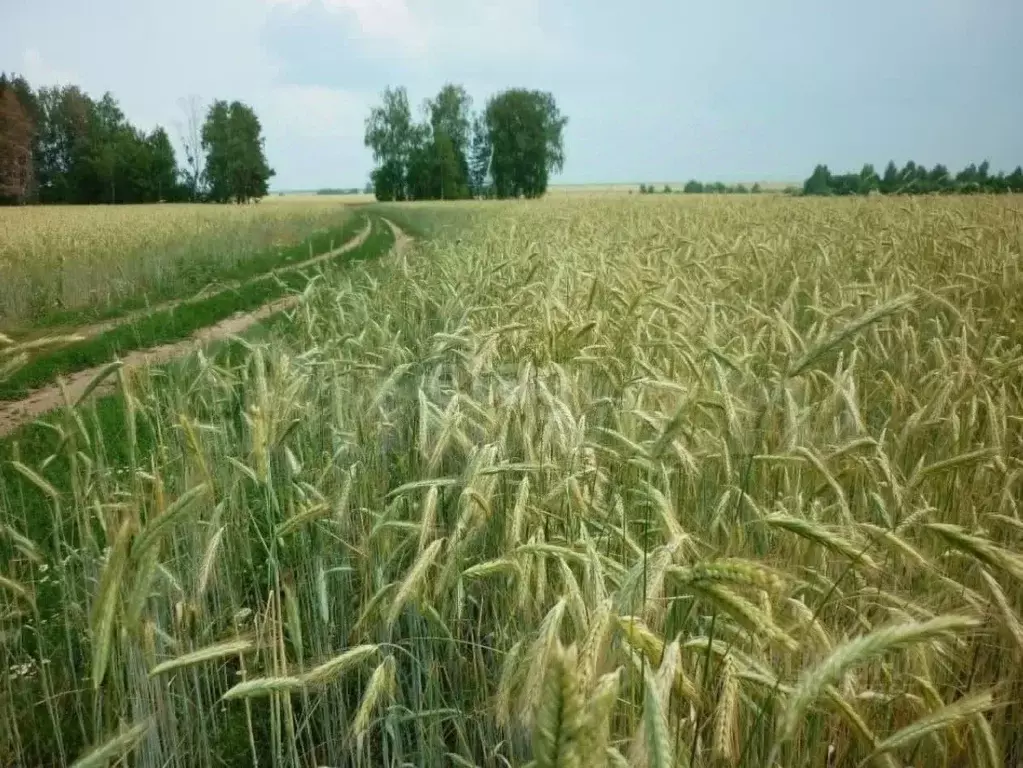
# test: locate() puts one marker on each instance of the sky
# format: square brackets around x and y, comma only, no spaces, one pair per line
[655,90]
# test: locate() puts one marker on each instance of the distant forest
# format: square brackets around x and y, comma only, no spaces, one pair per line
[368,189]
[59,145]
[913,179]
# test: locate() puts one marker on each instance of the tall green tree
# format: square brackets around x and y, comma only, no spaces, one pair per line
[819,182]
[890,179]
[908,177]
[451,129]
[1015,180]
[151,173]
[236,165]
[448,169]
[62,140]
[421,182]
[450,113]
[939,178]
[392,135]
[108,151]
[162,167]
[525,129]
[869,180]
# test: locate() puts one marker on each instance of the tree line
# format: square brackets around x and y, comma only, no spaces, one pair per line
[59,145]
[694,187]
[913,179]
[345,190]
[510,149]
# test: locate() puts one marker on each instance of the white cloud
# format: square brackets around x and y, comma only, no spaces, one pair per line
[390,21]
[438,29]
[316,112]
[313,135]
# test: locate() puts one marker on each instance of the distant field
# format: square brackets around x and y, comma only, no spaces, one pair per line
[594,480]
[56,260]
[312,197]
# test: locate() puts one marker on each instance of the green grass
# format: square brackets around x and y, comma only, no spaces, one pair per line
[198,275]
[432,221]
[173,324]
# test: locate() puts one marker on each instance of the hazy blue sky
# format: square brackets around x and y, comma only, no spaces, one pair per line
[654,89]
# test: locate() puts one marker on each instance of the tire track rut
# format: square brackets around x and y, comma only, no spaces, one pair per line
[16,413]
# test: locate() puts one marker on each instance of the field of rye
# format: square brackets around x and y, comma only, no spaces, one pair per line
[578,482]
[60,264]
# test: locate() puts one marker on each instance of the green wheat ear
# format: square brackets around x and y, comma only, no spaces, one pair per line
[381,686]
[116,748]
[560,718]
[209,653]
[659,744]
[104,610]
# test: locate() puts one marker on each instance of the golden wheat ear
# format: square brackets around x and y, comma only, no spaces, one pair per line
[829,671]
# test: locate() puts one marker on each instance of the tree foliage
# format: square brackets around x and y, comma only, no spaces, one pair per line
[525,129]
[913,179]
[236,166]
[694,187]
[17,136]
[510,149]
[59,145]
[391,134]
[451,128]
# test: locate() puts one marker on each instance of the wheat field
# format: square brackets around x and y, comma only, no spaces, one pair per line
[595,481]
[79,258]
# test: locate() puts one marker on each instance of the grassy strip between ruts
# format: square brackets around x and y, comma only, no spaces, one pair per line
[201,275]
[174,324]
[39,444]
[424,221]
